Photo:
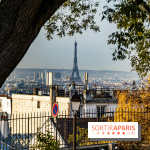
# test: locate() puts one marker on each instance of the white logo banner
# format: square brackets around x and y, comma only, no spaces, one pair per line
[112,129]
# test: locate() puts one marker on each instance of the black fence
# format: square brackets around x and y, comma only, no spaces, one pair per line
[19,131]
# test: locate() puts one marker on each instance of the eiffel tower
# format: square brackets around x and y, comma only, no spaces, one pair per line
[75,69]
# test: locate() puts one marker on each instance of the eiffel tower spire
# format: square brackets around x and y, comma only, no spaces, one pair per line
[75,69]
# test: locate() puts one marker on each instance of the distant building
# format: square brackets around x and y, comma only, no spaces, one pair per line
[39,75]
[43,75]
[57,75]
[36,76]
[21,85]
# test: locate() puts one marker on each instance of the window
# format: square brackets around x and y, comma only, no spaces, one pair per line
[101,110]
[38,104]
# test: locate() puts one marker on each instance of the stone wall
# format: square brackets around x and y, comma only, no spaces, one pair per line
[28,103]
[26,116]
[64,105]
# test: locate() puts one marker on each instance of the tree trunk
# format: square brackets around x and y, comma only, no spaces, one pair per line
[20,23]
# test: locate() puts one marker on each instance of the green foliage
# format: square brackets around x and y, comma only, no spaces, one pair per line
[74,16]
[46,142]
[81,136]
[132,37]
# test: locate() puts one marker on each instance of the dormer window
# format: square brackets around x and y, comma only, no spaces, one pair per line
[101,110]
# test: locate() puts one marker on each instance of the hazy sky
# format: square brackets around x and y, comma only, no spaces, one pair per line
[92,50]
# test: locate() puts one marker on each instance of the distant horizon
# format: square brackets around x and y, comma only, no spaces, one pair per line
[79,69]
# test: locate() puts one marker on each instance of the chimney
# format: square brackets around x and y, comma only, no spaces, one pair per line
[49,82]
[49,79]
[86,80]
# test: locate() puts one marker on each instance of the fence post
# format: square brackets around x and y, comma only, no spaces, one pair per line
[74,130]
[113,116]
[98,115]
[65,128]
[56,127]
[28,130]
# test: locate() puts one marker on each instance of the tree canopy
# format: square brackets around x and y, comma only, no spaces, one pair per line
[132,38]
[73,17]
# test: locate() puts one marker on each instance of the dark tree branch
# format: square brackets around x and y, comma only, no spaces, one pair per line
[20,23]
[141,2]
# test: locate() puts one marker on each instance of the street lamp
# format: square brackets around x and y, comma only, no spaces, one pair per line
[75,102]
[75,107]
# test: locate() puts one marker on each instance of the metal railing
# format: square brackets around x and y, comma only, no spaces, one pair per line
[61,91]
[19,131]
